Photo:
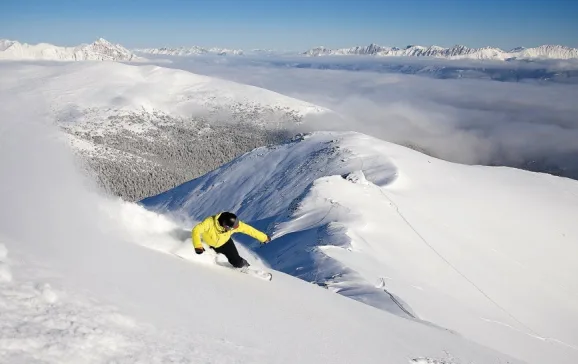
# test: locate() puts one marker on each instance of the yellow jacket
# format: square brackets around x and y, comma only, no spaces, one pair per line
[214,235]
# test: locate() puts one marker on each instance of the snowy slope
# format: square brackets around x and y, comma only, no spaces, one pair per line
[487,252]
[147,128]
[153,308]
[75,288]
[79,91]
[456,52]
[100,50]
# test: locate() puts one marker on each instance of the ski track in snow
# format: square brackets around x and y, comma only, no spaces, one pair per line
[534,335]
[430,361]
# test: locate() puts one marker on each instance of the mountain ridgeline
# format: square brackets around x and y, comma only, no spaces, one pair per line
[455,52]
[100,50]
[103,50]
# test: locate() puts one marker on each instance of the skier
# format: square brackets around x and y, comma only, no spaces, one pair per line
[216,232]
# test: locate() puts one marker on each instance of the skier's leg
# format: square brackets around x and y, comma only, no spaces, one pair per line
[230,251]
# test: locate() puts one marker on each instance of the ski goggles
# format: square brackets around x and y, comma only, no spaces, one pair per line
[235,225]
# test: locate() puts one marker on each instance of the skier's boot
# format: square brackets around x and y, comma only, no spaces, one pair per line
[244,266]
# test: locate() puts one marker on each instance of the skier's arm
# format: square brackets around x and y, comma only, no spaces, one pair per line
[196,234]
[252,232]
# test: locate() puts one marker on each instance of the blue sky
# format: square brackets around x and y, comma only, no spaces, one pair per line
[292,24]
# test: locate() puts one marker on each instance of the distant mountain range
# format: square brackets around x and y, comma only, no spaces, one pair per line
[100,50]
[190,51]
[456,52]
[103,50]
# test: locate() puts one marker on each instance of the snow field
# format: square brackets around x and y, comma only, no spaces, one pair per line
[41,324]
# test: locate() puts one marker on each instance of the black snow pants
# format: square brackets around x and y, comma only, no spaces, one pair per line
[230,251]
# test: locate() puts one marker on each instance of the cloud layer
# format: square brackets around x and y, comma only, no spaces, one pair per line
[476,121]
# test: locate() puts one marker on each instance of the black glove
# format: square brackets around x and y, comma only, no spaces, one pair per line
[199,250]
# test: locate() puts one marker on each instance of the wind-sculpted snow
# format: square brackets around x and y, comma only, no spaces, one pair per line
[467,248]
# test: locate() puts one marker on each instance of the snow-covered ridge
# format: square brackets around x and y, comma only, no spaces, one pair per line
[483,251]
[100,50]
[136,88]
[139,119]
[456,52]
[190,51]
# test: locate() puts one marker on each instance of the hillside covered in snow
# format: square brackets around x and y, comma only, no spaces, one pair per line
[486,252]
[456,52]
[84,279]
[145,129]
[401,257]
[100,50]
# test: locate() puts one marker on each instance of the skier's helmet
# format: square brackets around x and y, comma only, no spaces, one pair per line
[228,220]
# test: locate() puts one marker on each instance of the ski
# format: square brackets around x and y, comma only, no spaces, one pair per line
[255,272]
[258,273]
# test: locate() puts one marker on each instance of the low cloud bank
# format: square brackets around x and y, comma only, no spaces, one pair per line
[522,124]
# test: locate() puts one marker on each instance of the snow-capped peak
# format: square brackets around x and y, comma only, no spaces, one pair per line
[547,51]
[5,44]
[103,42]
[317,51]
[100,50]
